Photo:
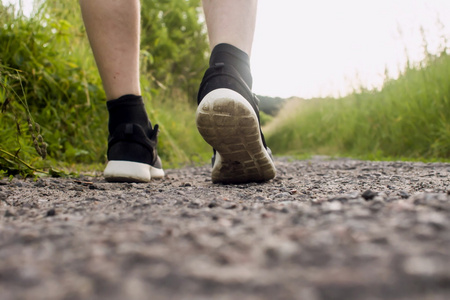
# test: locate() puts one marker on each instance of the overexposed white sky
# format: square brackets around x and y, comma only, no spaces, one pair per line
[326,47]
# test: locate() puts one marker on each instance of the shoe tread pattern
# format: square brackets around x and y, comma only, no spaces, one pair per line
[229,124]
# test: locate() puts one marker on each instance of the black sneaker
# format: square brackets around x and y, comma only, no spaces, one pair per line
[132,155]
[228,119]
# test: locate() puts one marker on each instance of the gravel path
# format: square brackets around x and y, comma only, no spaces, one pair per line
[339,229]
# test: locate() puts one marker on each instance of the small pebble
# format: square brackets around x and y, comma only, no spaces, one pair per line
[404,195]
[9,214]
[51,212]
[369,195]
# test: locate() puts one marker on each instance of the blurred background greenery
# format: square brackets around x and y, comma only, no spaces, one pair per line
[407,119]
[53,112]
[48,77]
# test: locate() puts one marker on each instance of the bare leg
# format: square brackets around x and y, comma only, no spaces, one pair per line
[231,21]
[113,28]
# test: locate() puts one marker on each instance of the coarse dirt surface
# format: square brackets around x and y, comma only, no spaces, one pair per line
[322,229]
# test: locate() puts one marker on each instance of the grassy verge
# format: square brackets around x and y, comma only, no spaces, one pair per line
[51,96]
[179,140]
[408,119]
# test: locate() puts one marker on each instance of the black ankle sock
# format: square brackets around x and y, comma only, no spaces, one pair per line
[127,109]
[230,55]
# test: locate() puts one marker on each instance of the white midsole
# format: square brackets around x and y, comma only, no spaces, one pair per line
[131,171]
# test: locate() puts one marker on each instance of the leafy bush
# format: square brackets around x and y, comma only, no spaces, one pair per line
[174,48]
[59,85]
[270,105]
[264,118]
[48,77]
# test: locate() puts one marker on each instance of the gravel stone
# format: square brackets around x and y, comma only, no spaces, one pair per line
[323,229]
[369,195]
[51,212]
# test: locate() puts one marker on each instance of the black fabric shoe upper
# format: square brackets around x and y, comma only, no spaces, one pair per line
[221,75]
[131,136]
[130,142]
[232,56]
[127,109]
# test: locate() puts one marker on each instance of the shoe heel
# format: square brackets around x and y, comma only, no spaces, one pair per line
[230,125]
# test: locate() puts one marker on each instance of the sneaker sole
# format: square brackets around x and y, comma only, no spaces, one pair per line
[229,124]
[129,171]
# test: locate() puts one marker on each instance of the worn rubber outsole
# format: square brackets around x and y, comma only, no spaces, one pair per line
[229,124]
[130,171]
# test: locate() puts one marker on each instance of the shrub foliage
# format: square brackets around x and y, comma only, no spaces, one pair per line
[51,99]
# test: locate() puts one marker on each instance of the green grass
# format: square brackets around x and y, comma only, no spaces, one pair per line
[51,96]
[179,139]
[407,119]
